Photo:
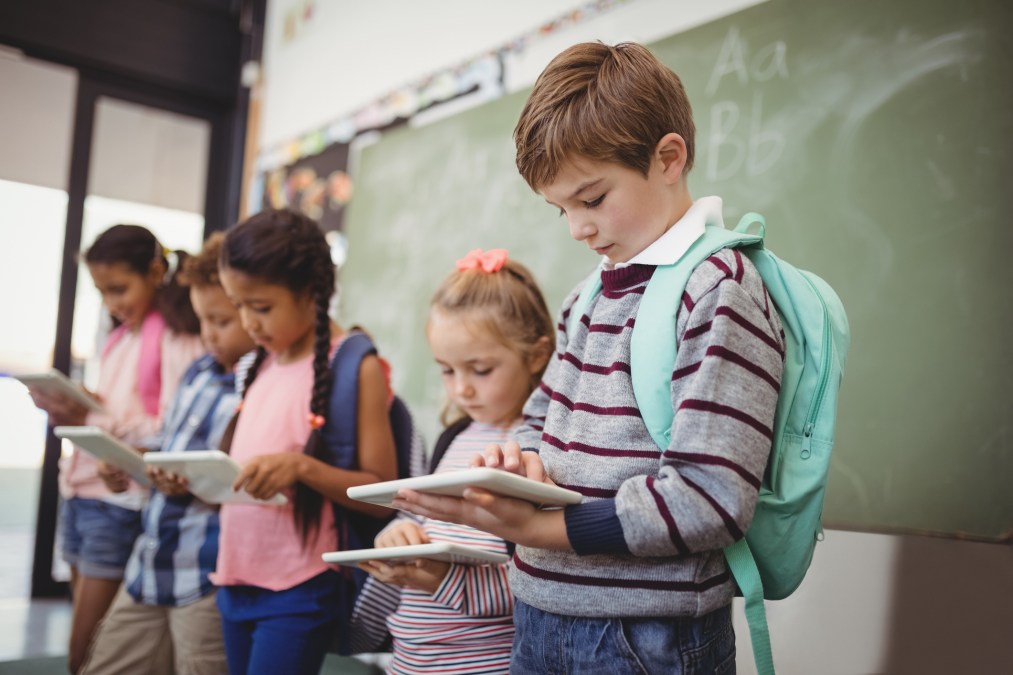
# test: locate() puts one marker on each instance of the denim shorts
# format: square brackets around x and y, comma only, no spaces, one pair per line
[550,643]
[98,537]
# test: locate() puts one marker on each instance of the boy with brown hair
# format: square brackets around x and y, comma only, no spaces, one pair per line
[633,579]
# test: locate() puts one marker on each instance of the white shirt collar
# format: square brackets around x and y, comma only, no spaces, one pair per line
[670,246]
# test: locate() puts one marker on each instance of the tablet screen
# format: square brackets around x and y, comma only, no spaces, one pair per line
[405,555]
[454,483]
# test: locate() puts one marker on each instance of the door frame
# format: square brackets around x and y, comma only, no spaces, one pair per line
[221,205]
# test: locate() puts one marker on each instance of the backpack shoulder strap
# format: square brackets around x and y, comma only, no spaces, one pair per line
[339,433]
[652,344]
[445,439]
[747,576]
[653,352]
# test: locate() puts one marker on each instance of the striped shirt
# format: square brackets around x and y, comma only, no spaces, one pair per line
[467,625]
[179,545]
[647,537]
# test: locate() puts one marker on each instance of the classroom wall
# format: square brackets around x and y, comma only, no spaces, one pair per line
[872,603]
[36,120]
[324,60]
[140,155]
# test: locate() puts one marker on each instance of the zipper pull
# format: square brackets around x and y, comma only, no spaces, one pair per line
[807,441]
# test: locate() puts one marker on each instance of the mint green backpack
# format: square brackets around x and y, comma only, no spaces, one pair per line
[772,559]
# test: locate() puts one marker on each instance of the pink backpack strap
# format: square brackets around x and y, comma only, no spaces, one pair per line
[149,366]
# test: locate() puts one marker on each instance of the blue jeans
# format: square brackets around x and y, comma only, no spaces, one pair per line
[98,537]
[550,644]
[279,632]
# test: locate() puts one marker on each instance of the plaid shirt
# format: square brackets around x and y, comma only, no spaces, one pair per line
[179,545]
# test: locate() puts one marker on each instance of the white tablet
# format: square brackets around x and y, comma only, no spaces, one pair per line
[55,383]
[210,474]
[453,483]
[403,555]
[102,445]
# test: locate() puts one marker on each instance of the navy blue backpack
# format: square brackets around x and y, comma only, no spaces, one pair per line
[357,530]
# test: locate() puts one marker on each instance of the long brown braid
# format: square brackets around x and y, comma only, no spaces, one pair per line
[287,248]
[308,502]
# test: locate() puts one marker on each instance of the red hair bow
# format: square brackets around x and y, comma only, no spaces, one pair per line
[487,261]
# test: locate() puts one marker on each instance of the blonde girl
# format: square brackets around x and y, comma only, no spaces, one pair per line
[491,335]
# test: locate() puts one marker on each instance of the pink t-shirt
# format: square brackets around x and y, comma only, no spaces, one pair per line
[124,415]
[259,545]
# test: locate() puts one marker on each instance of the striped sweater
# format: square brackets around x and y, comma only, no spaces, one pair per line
[466,627]
[648,535]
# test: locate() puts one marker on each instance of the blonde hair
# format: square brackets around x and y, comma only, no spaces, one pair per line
[604,103]
[506,303]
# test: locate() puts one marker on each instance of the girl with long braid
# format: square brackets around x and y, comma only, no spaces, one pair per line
[278,599]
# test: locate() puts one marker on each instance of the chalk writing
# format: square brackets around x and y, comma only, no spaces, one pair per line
[769,62]
[736,140]
[759,149]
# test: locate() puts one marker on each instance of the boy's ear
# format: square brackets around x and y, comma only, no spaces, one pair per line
[671,153]
[540,354]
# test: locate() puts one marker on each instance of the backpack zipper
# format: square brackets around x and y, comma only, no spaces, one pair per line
[814,407]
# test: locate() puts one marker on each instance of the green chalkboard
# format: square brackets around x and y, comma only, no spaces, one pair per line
[876,139]
[424,198]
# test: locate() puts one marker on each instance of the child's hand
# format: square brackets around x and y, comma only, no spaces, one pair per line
[265,476]
[167,482]
[60,410]
[478,508]
[510,519]
[510,458]
[401,533]
[117,480]
[424,574]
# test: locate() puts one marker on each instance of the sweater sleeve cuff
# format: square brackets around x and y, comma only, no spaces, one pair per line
[594,527]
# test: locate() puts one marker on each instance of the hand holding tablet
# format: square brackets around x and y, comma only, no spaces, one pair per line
[108,448]
[454,483]
[53,383]
[210,474]
[404,555]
